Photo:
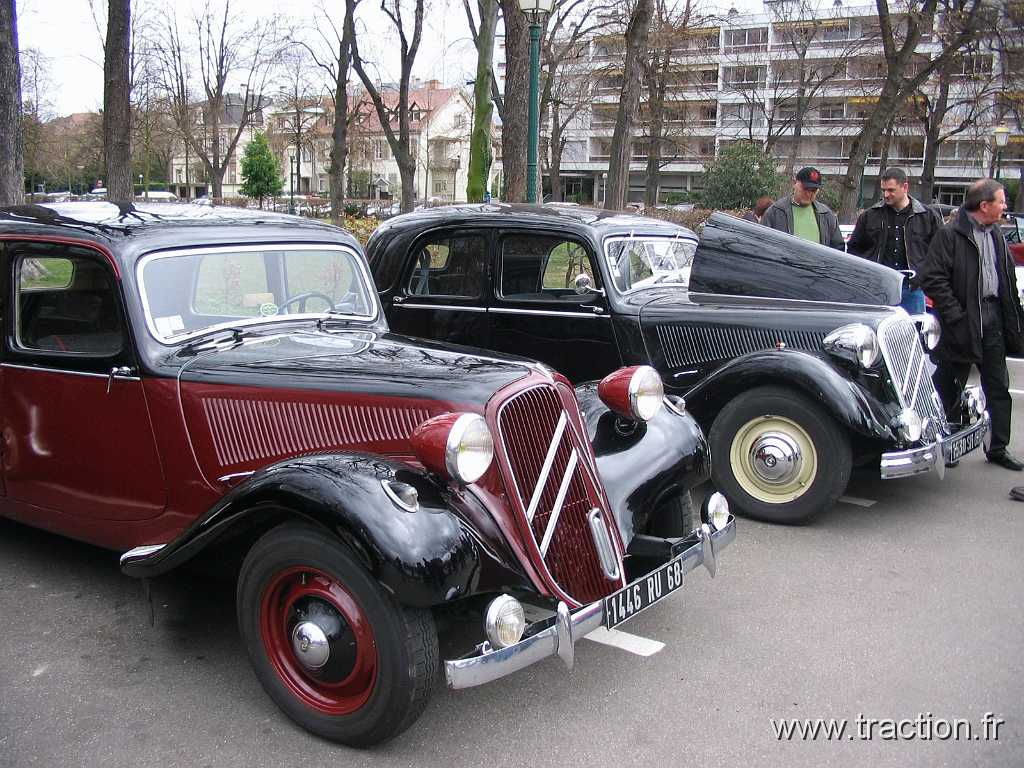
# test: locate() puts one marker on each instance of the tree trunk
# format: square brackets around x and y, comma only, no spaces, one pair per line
[557,145]
[932,141]
[117,111]
[480,141]
[407,170]
[339,134]
[798,123]
[629,98]
[850,184]
[656,89]
[883,158]
[12,181]
[515,129]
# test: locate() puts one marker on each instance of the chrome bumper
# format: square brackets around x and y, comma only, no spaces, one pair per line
[559,639]
[933,456]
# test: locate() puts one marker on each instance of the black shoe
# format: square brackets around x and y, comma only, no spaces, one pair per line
[951,464]
[1006,460]
[1017,493]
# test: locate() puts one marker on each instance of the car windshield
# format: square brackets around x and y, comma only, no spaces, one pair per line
[188,293]
[641,262]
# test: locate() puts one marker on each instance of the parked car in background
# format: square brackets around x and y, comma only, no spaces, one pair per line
[1013,230]
[181,382]
[794,359]
[157,195]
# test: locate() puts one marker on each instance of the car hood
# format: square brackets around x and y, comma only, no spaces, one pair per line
[357,362]
[741,258]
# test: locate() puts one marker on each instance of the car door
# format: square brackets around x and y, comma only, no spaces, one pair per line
[441,292]
[536,312]
[77,438]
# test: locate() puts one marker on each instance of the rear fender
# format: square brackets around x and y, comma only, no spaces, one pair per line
[425,557]
[848,402]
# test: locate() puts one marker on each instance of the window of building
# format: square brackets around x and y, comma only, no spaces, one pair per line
[459,120]
[709,114]
[838,32]
[440,186]
[322,183]
[706,148]
[973,66]
[746,38]
[307,154]
[750,75]
[832,113]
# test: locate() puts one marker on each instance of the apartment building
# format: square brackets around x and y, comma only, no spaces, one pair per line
[737,78]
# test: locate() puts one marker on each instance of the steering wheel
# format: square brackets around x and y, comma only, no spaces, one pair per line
[302,298]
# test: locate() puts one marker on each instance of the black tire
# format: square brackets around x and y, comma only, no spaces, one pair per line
[382,660]
[741,458]
[674,518]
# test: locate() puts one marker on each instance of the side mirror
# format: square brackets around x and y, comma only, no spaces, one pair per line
[584,285]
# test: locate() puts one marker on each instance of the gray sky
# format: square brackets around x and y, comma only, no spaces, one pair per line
[64,31]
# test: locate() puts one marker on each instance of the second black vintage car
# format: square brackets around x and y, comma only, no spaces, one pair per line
[793,357]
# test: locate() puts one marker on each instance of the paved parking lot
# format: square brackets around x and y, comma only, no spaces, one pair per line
[904,603]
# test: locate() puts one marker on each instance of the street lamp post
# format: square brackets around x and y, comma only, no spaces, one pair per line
[1001,134]
[292,165]
[535,11]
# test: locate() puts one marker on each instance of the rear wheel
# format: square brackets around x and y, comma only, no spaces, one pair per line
[333,649]
[778,456]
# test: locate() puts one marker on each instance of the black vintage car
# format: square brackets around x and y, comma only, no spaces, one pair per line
[793,357]
[182,381]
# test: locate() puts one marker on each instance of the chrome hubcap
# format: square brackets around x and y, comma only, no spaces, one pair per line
[775,458]
[310,644]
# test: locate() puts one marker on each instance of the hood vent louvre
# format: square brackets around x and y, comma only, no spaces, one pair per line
[689,344]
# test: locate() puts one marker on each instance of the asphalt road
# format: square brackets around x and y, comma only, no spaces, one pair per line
[909,606]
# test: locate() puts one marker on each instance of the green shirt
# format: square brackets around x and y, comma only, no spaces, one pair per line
[805,223]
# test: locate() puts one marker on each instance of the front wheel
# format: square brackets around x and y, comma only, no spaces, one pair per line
[333,649]
[778,456]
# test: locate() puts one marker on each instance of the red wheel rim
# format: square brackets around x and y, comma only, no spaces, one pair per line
[278,618]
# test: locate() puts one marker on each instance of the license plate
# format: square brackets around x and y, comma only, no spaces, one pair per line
[643,593]
[963,445]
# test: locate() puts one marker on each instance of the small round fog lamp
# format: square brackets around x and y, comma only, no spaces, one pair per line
[716,511]
[504,621]
[909,425]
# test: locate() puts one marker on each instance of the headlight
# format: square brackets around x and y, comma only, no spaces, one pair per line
[909,425]
[504,621]
[974,403]
[930,331]
[457,445]
[855,342]
[715,511]
[635,393]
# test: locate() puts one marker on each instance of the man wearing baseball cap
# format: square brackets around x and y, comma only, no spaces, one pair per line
[802,215]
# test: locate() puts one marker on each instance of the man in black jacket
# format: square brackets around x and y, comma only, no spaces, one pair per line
[896,231]
[802,215]
[970,278]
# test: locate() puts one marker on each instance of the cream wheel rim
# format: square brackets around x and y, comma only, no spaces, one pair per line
[773,459]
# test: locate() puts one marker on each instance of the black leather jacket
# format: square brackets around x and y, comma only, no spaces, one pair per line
[870,235]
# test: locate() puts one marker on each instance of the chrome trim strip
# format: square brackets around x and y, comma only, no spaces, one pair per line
[487,665]
[409,305]
[47,369]
[813,302]
[546,313]
[556,511]
[545,470]
[602,541]
[362,268]
[140,552]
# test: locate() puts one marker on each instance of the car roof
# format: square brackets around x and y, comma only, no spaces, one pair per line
[128,229]
[574,217]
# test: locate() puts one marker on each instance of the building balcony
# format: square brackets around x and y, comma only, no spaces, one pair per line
[446,164]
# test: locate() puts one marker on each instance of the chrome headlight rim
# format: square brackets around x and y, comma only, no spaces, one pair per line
[856,342]
[456,458]
[715,510]
[646,393]
[910,425]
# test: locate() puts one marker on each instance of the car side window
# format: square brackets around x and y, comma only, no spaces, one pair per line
[543,268]
[66,303]
[451,266]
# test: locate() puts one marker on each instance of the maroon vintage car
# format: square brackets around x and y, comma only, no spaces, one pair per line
[181,382]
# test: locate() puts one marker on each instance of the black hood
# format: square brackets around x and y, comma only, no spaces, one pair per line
[741,258]
[358,362]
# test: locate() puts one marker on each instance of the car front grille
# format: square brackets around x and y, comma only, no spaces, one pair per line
[908,369]
[549,474]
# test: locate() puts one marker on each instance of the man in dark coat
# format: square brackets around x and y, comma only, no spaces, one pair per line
[969,276]
[802,215]
[896,231]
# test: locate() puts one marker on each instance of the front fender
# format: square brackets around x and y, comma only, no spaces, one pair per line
[848,402]
[639,470]
[425,557]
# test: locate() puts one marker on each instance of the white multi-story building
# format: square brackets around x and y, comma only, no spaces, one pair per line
[736,79]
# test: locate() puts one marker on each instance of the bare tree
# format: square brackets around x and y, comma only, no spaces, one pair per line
[298,113]
[900,35]
[12,181]
[637,32]
[333,55]
[514,112]
[388,113]
[224,49]
[480,141]
[37,110]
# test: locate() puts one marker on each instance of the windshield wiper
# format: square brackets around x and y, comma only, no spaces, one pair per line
[233,335]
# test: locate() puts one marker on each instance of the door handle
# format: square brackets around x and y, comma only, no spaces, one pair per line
[117,370]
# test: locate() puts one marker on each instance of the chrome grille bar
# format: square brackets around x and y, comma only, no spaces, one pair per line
[545,470]
[556,509]
[906,362]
